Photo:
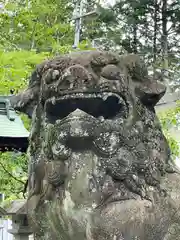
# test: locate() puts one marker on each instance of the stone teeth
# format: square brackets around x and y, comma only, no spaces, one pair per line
[58,121]
[120,101]
[105,96]
[71,85]
[53,100]
[101,118]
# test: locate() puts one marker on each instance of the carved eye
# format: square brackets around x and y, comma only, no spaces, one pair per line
[107,143]
[60,151]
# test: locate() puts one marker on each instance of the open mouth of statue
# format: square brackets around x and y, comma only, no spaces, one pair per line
[105,105]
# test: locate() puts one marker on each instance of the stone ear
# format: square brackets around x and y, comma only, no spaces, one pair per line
[150,92]
[26,101]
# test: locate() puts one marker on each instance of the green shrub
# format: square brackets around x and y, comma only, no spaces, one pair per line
[168,121]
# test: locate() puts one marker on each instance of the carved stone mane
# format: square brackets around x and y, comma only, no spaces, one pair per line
[99,164]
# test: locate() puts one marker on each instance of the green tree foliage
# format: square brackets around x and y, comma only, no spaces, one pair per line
[39,25]
[15,68]
[147,27]
[170,119]
[13,174]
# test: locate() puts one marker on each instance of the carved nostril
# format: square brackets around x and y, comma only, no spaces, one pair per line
[85,80]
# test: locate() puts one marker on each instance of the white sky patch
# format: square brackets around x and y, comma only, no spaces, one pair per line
[108,3]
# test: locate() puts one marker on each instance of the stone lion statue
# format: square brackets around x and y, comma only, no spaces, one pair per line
[99,165]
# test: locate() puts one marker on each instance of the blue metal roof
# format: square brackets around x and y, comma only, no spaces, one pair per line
[12,130]
[11,124]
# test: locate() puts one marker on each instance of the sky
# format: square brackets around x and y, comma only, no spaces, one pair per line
[108,2]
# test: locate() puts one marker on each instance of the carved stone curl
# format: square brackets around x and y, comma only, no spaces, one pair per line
[99,164]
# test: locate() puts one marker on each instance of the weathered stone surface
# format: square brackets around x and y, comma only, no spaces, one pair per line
[99,164]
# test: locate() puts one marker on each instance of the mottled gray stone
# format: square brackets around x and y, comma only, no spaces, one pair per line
[99,164]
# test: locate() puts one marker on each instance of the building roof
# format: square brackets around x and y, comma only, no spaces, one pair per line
[12,131]
[17,207]
[2,212]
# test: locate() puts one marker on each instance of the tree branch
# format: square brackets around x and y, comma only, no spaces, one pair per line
[18,180]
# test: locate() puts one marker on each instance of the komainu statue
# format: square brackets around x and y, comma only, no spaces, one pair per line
[99,165]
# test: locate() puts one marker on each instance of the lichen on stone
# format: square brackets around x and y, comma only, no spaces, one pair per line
[98,158]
